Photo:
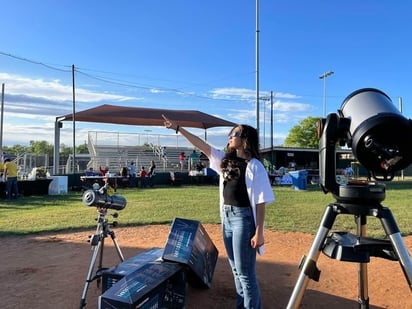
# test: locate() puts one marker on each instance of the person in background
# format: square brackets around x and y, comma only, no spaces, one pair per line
[124,171]
[164,152]
[245,191]
[87,182]
[199,166]
[132,174]
[104,171]
[90,172]
[125,179]
[10,177]
[107,188]
[348,172]
[182,157]
[193,158]
[1,170]
[151,173]
[143,175]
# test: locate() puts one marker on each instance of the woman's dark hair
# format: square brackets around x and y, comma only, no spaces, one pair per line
[250,141]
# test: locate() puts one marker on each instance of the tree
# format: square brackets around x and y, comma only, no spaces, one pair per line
[65,151]
[41,147]
[304,134]
[14,150]
[82,148]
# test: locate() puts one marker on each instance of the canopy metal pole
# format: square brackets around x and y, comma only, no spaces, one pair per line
[271,133]
[56,158]
[74,122]
[1,120]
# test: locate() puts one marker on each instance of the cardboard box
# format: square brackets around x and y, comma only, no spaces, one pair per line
[189,244]
[154,285]
[112,275]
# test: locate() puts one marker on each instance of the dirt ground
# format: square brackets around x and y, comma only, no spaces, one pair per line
[49,271]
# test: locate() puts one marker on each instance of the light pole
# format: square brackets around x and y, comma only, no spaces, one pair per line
[324,76]
[264,99]
[271,133]
[257,65]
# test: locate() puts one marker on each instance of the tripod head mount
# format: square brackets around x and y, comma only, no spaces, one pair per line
[378,134]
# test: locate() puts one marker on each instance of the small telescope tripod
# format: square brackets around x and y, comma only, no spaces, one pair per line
[354,248]
[97,242]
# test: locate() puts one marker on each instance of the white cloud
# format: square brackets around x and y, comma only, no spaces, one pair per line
[245,116]
[155,90]
[233,93]
[32,105]
[295,107]
[248,94]
[53,90]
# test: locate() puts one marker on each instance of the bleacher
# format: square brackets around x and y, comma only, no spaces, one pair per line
[116,150]
[115,157]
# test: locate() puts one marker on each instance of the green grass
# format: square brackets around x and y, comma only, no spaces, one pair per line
[292,211]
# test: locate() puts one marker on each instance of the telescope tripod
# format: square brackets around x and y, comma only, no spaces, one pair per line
[97,242]
[353,248]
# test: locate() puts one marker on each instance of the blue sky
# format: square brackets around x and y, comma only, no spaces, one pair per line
[196,55]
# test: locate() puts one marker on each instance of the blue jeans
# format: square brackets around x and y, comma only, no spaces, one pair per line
[11,186]
[238,229]
[132,183]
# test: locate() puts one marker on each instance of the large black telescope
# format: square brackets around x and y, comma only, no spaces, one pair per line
[380,139]
[378,134]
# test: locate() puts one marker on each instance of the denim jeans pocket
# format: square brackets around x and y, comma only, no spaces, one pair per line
[243,212]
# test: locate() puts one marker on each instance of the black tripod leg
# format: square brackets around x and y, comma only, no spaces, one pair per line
[308,268]
[392,230]
[89,277]
[100,265]
[363,292]
[116,245]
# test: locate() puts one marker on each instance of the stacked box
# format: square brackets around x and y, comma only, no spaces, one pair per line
[114,274]
[154,285]
[189,244]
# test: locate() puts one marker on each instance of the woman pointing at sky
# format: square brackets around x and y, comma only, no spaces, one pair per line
[245,190]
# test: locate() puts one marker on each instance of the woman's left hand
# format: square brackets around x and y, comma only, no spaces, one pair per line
[257,241]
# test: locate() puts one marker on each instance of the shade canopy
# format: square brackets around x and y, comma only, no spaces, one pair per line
[142,116]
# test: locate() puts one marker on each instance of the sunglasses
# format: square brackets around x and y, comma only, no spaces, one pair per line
[235,134]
